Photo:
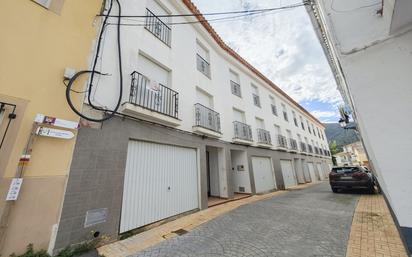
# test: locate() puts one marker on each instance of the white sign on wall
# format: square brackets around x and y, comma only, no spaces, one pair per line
[40,118]
[14,189]
[57,133]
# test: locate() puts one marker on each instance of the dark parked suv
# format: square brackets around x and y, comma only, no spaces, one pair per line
[351,177]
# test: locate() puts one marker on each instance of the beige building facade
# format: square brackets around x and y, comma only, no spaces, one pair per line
[40,39]
[352,154]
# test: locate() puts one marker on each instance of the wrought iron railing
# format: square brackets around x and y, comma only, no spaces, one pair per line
[153,96]
[310,149]
[157,27]
[302,147]
[207,118]
[293,144]
[202,65]
[242,131]
[235,88]
[256,100]
[282,142]
[264,136]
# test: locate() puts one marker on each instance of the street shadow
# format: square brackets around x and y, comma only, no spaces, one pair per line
[356,191]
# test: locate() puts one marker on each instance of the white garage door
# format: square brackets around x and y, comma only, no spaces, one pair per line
[320,171]
[263,173]
[312,172]
[288,173]
[160,181]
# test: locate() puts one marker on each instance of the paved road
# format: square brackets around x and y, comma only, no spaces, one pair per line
[306,222]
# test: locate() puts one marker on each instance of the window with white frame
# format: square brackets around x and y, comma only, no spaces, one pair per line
[307,124]
[273,105]
[202,59]
[157,20]
[301,122]
[255,96]
[295,120]
[235,83]
[285,114]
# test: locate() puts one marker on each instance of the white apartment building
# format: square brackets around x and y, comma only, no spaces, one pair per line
[200,122]
[369,46]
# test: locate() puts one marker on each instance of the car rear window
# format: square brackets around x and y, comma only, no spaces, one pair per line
[345,169]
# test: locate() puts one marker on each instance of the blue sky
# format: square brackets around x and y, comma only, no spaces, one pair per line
[284,47]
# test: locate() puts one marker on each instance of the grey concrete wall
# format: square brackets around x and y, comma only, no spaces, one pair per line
[98,166]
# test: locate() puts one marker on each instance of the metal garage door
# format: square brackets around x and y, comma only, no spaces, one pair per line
[160,181]
[320,171]
[288,173]
[312,172]
[263,174]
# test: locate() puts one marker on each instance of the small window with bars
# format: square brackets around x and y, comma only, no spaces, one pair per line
[235,88]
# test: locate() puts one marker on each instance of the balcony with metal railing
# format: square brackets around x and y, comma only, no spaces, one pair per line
[207,121]
[264,138]
[282,141]
[293,144]
[152,101]
[202,65]
[157,27]
[242,133]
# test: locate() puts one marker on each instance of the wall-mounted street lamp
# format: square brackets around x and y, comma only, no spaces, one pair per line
[344,123]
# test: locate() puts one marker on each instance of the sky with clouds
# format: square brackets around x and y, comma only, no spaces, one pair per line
[284,47]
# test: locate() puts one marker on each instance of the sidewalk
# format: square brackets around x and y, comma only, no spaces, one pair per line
[171,229]
[373,231]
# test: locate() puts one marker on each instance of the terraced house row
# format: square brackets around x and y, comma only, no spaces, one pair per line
[195,122]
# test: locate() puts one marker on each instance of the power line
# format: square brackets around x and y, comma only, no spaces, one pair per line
[210,14]
[245,14]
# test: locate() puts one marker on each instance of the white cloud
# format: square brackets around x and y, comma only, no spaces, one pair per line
[282,45]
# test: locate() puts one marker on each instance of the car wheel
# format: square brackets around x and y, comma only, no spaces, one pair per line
[335,190]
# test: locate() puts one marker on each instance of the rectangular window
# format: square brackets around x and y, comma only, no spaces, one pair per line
[255,95]
[235,84]
[307,123]
[285,114]
[295,120]
[239,115]
[301,122]
[157,27]
[273,105]
[202,60]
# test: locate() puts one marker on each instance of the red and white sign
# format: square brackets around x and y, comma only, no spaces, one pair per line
[57,133]
[40,118]
[14,189]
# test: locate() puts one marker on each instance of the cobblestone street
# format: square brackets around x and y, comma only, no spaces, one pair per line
[304,222]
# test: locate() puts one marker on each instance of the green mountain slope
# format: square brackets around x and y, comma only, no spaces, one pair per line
[342,136]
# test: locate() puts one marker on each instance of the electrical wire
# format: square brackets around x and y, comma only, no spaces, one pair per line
[93,71]
[209,14]
[245,13]
[230,18]
[119,24]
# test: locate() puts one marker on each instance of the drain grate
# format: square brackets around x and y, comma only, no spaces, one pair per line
[180,232]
